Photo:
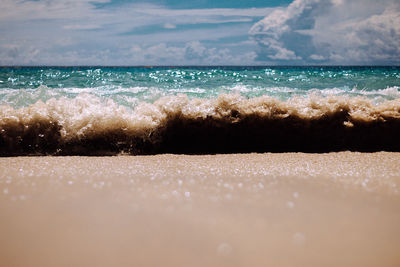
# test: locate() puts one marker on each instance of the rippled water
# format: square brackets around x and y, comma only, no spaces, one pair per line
[129,85]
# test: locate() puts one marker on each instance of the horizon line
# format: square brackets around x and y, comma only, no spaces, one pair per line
[186,66]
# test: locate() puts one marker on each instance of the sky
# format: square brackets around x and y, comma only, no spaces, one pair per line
[202,32]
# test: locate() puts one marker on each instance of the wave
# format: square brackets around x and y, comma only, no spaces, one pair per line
[89,125]
[130,97]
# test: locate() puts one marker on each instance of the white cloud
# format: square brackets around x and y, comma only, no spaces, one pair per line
[331,31]
[169,26]
[82,27]
[27,54]
[251,12]
[189,54]
[17,10]
[20,10]
[68,32]
[317,57]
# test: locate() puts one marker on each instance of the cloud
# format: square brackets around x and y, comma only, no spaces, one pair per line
[169,26]
[11,52]
[84,32]
[248,12]
[331,32]
[17,10]
[192,53]
[82,27]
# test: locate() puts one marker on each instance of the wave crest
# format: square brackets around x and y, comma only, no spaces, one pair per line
[86,125]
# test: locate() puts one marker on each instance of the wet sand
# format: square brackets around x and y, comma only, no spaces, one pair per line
[284,209]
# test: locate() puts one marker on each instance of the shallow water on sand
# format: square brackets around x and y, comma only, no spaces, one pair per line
[291,209]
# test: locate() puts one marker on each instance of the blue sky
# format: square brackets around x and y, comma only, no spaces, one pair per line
[203,32]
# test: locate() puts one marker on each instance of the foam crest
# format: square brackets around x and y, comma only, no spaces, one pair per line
[88,124]
[130,97]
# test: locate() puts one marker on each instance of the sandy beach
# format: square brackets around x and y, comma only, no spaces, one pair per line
[199,133]
[283,209]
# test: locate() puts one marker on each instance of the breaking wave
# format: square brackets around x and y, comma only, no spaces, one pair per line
[229,123]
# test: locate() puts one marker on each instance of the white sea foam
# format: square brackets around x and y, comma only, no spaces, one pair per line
[87,109]
[132,96]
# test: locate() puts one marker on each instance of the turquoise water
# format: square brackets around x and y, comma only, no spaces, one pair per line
[128,86]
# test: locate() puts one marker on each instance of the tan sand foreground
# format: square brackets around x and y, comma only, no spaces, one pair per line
[289,209]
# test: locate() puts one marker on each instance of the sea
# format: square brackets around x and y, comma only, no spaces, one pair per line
[198,110]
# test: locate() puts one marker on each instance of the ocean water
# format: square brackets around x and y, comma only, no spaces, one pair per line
[147,110]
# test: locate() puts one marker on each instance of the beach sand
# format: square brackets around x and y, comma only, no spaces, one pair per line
[283,209]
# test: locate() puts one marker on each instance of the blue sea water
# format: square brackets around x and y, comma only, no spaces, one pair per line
[147,110]
[22,86]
